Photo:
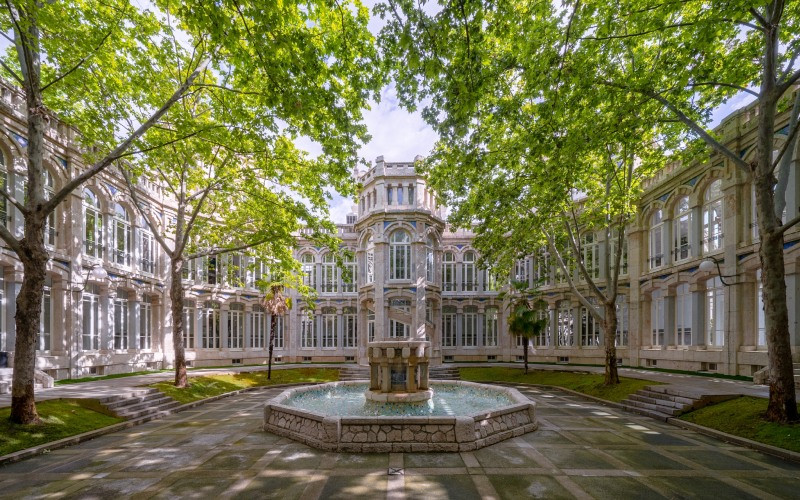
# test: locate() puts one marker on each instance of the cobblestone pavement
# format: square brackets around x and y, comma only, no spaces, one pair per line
[581,450]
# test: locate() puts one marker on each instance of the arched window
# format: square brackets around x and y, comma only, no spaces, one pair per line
[398,329]
[590,328]
[657,318]
[308,338]
[370,261]
[468,275]
[257,327]
[121,229]
[236,326]
[370,325]
[50,223]
[400,256]
[309,271]
[712,218]
[91,317]
[411,200]
[93,225]
[761,329]
[145,324]
[121,321]
[4,187]
[448,272]
[328,273]
[188,324]
[350,276]
[330,331]
[623,261]
[683,230]
[521,270]
[566,324]
[622,321]
[429,261]
[389,195]
[657,238]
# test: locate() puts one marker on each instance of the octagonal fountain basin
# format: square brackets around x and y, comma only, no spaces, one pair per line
[461,416]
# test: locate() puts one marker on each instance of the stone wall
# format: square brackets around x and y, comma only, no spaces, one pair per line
[400,434]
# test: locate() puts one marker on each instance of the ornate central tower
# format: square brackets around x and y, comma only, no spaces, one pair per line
[400,226]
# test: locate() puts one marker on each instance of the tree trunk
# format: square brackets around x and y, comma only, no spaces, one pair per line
[273,324]
[609,338]
[176,299]
[525,355]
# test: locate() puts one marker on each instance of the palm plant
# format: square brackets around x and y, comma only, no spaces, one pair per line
[523,319]
[276,304]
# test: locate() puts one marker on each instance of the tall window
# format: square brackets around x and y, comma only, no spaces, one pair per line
[389,195]
[541,270]
[591,255]
[278,339]
[490,327]
[236,270]
[761,329]
[590,328]
[370,261]
[448,326]
[121,315]
[622,321]
[329,331]
[93,225]
[657,238]
[470,332]
[468,273]
[715,313]
[147,251]
[411,200]
[521,270]
[683,228]
[328,273]
[683,315]
[308,338]
[400,195]
[566,324]
[429,261]
[145,325]
[91,318]
[657,318]
[4,187]
[350,277]
[50,223]
[542,339]
[46,321]
[236,326]
[370,325]
[350,334]
[400,256]
[189,270]
[209,325]
[490,282]
[211,270]
[188,324]
[448,272]
[398,329]
[121,228]
[712,217]
[309,271]
[257,328]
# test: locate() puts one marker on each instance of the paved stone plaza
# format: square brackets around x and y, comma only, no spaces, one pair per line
[581,449]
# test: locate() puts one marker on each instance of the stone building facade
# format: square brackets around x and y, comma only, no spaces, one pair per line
[413,276]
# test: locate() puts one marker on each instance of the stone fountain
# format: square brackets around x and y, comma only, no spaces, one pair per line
[398,371]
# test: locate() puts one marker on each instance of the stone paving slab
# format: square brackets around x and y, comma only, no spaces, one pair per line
[582,450]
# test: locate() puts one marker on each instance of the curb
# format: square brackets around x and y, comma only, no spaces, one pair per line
[783,453]
[86,436]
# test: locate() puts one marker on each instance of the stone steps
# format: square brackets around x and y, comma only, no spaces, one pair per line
[444,373]
[139,403]
[664,402]
[356,372]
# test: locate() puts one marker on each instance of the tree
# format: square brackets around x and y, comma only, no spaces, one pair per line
[276,305]
[113,71]
[524,319]
[524,138]
[689,58]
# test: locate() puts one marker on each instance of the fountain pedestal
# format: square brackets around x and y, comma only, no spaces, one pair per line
[398,371]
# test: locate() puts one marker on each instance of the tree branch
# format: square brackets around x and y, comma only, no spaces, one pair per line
[224,250]
[789,224]
[12,73]
[82,60]
[723,84]
[9,239]
[14,202]
[117,152]
[136,201]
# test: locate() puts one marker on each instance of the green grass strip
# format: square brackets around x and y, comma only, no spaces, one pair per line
[215,385]
[743,417]
[61,418]
[585,383]
[68,381]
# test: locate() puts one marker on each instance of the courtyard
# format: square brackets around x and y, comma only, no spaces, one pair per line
[582,449]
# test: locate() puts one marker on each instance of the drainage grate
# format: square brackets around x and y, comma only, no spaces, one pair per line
[396,471]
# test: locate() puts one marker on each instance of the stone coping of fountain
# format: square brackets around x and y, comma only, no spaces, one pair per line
[401,434]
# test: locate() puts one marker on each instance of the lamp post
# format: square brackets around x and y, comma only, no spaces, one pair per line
[708,265]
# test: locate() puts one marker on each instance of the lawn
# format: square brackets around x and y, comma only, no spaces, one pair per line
[68,381]
[743,417]
[214,385]
[60,418]
[586,383]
